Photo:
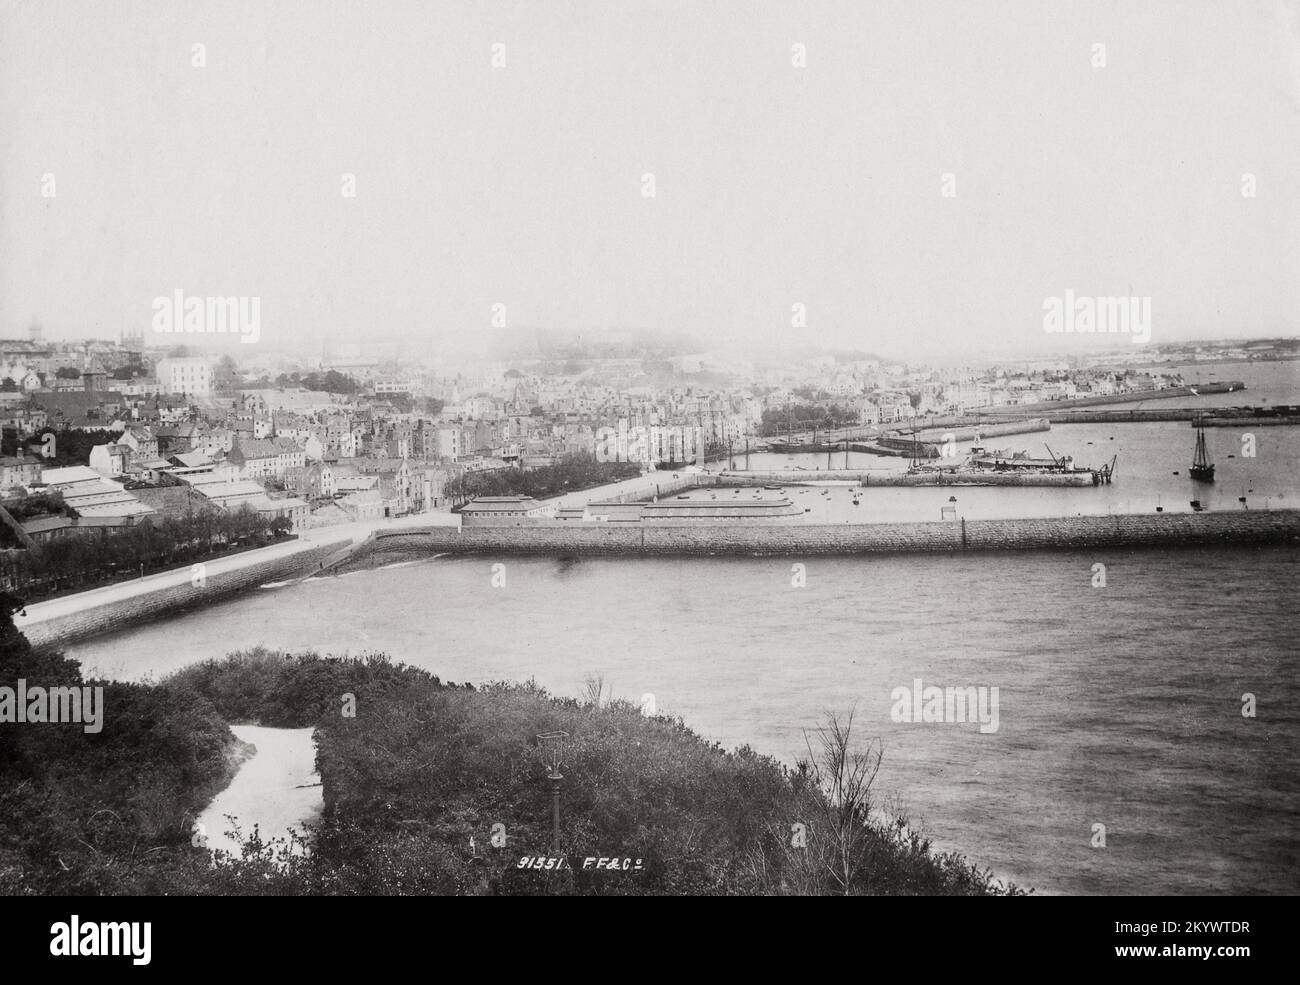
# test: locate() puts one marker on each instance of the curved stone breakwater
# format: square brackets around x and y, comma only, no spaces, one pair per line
[987,429]
[1051,407]
[114,607]
[706,539]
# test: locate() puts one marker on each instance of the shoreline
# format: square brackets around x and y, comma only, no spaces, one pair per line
[1042,408]
[105,610]
[112,607]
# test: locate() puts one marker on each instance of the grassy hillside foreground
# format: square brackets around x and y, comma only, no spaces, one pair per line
[421,769]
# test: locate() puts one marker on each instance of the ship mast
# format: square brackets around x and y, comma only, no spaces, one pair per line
[1200,459]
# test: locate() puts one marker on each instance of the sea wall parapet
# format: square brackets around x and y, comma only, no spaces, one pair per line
[709,539]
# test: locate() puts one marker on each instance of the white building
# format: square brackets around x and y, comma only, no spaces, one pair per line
[450,446]
[191,377]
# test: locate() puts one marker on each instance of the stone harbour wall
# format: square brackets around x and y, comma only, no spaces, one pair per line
[710,538]
[110,614]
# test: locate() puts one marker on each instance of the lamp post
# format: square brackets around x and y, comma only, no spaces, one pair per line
[551,746]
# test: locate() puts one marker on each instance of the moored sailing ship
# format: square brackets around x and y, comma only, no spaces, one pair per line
[1202,469]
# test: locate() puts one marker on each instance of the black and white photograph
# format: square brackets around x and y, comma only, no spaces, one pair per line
[655,448]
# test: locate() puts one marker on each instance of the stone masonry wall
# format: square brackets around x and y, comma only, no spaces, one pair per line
[1168,529]
[117,614]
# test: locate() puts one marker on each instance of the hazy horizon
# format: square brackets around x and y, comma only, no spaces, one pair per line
[775,184]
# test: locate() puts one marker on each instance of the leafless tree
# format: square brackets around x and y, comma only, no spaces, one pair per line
[844,775]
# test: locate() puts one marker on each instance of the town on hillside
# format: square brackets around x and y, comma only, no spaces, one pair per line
[100,437]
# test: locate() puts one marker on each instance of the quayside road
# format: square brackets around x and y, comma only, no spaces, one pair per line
[346,535]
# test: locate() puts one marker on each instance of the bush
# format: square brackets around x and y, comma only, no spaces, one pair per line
[77,562]
[432,788]
[571,474]
[107,812]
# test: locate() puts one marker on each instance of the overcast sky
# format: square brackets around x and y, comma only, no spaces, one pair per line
[774,184]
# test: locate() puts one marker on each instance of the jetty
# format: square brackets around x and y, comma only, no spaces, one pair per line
[1052,408]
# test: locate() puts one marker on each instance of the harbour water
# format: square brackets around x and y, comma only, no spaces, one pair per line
[1147,457]
[1118,706]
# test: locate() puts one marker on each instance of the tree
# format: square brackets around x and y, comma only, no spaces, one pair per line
[402,402]
[336,382]
[844,776]
[227,374]
[8,386]
[72,446]
[68,373]
[74,562]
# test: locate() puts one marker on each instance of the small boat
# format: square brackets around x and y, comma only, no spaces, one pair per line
[773,488]
[1202,469]
[683,497]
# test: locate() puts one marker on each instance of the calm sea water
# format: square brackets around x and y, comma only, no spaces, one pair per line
[1118,705]
[1151,462]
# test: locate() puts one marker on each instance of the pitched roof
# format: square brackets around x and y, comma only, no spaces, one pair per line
[225,490]
[74,403]
[69,474]
[191,459]
[251,449]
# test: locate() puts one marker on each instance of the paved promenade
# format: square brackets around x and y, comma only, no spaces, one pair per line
[353,533]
